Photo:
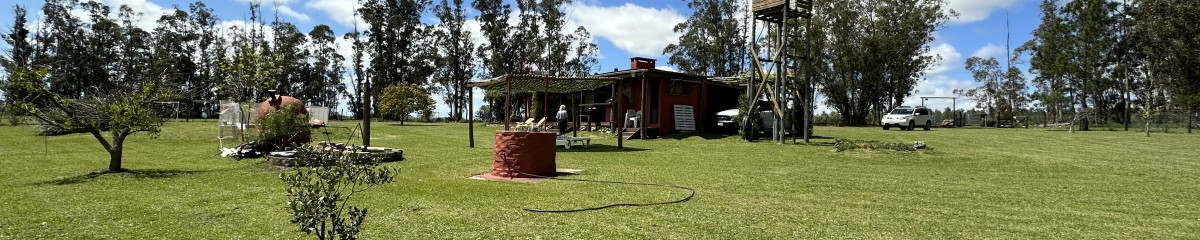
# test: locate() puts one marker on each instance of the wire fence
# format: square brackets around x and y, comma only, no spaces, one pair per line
[1171,121]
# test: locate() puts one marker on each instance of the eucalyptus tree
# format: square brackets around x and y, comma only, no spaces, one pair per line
[1049,63]
[584,52]
[173,56]
[1091,54]
[290,53]
[711,39]
[20,56]
[874,52]
[456,63]
[251,65]
[326,67]
[1169,37]
[495,53]
[527,43]
[207,44]
[986,71]
[357,95]
[397,37]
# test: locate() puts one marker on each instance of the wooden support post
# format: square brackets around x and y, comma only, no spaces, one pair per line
[618,126]
[645,108]
[366,131]
[612,108]
[545,98]
[507,103]
[471,115]
[703,105]
[578,111]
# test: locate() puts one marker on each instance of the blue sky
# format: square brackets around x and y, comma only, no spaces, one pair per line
[625,29]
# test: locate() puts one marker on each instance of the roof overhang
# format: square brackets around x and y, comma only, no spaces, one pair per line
[519,83]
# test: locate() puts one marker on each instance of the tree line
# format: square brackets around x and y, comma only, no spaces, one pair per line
[202,61]
[1102,61]
[88,68]
[867,56]
[1099,62]
[1091,61]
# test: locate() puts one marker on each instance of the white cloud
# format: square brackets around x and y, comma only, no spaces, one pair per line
[975,10]
[991,50]
[638,30]
[228,27]
[280,7]
[345,47]
[950,58]
[287,11]
[341,11]
[476,34]
[148,21]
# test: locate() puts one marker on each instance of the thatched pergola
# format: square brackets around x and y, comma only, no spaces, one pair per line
[532,84]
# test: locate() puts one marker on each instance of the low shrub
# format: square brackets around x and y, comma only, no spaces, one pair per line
[319,195]
[845,144]
[283,128]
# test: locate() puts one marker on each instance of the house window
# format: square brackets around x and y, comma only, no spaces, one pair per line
[679,88]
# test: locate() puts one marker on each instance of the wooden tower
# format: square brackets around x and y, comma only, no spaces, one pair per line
[778,81]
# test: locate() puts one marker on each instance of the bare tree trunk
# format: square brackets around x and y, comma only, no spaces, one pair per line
[1147,128]
[115,153]
[1083,125]
[1190,116]
[1126,116]
[114,159]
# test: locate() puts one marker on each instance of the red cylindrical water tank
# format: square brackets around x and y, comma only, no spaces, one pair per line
[529,152]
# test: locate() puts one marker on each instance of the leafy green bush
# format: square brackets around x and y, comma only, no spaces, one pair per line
[320,194]
[282,128]
[398,101]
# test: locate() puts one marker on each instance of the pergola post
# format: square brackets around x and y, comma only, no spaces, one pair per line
[471,115]
[619,125]
[575,129]
[545,97]
[507,103]
[645,108]
[703,105]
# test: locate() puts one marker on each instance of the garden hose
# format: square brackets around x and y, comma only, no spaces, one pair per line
[504,157]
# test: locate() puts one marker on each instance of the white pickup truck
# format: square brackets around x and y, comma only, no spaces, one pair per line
[728,119]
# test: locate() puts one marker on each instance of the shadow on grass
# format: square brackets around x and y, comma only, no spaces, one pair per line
[705,136]
[600,148]
[816,137]
[414,125]
[139,173]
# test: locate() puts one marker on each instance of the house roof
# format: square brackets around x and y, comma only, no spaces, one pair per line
[527,83]
[522,83]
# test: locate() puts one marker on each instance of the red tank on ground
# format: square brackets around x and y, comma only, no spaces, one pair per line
[529,152]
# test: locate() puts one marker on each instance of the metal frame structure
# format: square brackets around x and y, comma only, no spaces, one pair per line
[233,120]
[777,80]
[174,113]
[953,108]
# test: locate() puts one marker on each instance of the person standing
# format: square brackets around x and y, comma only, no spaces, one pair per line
[562,117]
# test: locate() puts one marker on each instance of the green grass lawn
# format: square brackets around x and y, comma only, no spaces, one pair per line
[976,183]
